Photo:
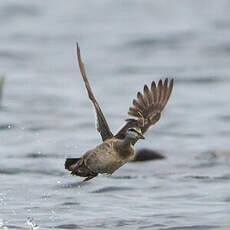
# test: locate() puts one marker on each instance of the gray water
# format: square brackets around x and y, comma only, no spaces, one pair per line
[46,115]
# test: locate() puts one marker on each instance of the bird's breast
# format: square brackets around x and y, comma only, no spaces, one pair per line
[108,157]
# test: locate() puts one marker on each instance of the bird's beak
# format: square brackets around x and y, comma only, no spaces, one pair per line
[141,136]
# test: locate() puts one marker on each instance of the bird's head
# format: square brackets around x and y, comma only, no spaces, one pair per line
[134,133]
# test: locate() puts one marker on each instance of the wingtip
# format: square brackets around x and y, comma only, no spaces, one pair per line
[139,94]
[159,83]
[167,81]
[153,85]
[78,50]
[79,55]
[78,47]
[171,83]
[145,86]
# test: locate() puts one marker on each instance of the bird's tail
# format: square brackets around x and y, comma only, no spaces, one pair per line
[78,168]
[70,163]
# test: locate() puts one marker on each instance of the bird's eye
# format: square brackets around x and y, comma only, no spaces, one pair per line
[132,130]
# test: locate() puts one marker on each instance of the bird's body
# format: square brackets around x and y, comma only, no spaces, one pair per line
[105,158]
[116,150]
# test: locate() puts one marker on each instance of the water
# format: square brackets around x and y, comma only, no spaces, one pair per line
[46,115]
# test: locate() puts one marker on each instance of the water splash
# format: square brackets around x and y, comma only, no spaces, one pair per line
[2,225]
[31,223]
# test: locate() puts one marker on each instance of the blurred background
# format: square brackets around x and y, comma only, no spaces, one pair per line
[45,114]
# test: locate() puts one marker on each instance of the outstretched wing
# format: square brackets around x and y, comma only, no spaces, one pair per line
[102,126]
[148,106]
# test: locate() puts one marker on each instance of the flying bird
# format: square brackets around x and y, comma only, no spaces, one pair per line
[116,150]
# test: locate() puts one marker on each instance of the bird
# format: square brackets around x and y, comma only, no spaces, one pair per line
[116,150]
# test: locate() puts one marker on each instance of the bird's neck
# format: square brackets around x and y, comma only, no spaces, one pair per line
[126,143]
[125,148]
[129,141]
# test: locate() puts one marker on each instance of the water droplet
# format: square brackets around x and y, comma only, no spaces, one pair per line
[1,223]
[2,226]
[31,223]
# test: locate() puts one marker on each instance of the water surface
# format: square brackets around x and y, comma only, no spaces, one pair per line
[46,115]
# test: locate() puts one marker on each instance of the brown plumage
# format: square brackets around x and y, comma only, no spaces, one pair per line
[147,107]
[118,149]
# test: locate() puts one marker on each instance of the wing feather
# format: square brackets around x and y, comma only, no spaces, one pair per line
[102,126]
[134,112]
[137,105]
[148,96]
[147,108]
[168,93]
[154,91]
[141,99]
[159,91]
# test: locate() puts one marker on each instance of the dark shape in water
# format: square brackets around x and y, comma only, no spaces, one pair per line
[117,150]
[1,87]
[147,155]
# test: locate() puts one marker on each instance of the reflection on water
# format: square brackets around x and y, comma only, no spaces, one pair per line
[45,115]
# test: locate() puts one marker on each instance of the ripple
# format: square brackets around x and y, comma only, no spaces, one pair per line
[70,203]
[41,155]
[7,171]
[194,227]
[37,128]
[171,41]
[72,185]
[224,177]
[207,155]
[6,126]
[202,80]
[224,117]
[6,227]
[68,226]
[13,171]
[209,178]
[205,164]
[123,177]
[199,177]
[20,10]
[111,189]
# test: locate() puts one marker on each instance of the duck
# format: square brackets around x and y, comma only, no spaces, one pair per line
[116,150]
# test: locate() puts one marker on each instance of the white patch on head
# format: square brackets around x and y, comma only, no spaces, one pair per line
[132,134]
